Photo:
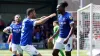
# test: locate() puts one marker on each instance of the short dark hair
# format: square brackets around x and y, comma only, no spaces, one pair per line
[56,22]
[17,14]
[64,4]
[29,10]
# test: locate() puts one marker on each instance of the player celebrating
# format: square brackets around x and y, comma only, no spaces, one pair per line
[65,31]
[27,29]
[55,29]
[15,28]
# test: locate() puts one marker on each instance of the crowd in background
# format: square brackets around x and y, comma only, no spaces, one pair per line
[41,33]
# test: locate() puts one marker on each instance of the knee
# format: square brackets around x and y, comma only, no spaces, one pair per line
[10,49]
[14,52]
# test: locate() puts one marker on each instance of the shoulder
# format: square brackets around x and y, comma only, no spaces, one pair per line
[57,26]
[32,20]
[59,15]
[12,24]
[68,14]
[25,20]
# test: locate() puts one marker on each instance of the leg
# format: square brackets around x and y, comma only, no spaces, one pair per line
[31,50]
[10,46]
[58,46]
[10,49]
[14,53]
[68,47]
[14,49]
[20,51]
[68,53]
[39,54]
[61,52]
[21,54]
[55,52]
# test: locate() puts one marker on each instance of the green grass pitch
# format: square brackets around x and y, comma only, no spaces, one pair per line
[44,52]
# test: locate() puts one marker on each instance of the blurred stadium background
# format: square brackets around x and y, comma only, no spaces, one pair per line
[8,8]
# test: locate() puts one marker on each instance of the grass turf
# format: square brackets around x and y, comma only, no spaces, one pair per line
[44,52]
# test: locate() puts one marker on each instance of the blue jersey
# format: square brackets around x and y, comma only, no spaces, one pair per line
[16,32]
[64,24]
[27,32]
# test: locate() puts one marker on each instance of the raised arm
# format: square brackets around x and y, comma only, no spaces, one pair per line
[44,19]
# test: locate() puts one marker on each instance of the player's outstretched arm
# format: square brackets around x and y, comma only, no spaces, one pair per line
[41,21]
[6,30]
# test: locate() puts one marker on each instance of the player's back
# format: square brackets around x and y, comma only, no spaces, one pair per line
[26,32]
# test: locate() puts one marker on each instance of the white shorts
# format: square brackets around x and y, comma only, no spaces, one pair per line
[10,45]
[30,49]
[59,44]
[17,47]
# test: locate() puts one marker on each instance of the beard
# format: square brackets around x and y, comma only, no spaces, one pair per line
[58,12]
[33,17]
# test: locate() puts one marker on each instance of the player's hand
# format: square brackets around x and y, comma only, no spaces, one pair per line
[52,15]
[50,39]
[66,41]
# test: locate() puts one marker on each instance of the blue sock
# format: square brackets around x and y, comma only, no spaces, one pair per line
[34,55]
[14,55]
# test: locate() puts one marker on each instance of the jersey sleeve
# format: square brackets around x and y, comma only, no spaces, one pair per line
[70,19]
[10,27]
[33,22]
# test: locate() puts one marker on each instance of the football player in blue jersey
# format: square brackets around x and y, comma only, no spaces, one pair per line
[15,29]
[66,26]
[27,29]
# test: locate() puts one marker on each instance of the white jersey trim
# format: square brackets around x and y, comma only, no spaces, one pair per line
[72,22]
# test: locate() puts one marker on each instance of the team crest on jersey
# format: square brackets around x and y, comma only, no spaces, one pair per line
[71,17]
